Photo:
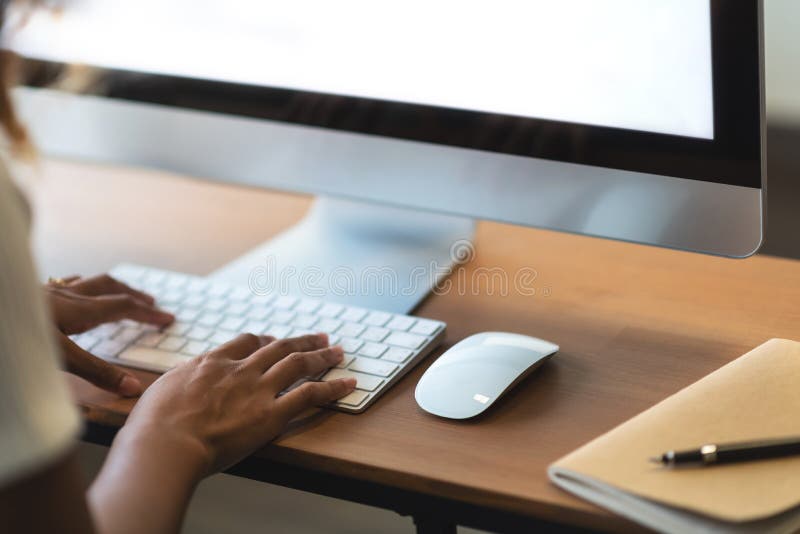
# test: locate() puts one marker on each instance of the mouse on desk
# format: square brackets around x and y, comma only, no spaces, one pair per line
[467,379]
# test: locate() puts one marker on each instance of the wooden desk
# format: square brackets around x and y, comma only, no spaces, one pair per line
[635,324]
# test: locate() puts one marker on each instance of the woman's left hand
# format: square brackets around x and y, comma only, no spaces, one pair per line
[80,304]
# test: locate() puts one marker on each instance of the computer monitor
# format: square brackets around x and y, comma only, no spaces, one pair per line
[627,119]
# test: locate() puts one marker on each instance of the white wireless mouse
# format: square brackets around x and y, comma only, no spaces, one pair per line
[476,371]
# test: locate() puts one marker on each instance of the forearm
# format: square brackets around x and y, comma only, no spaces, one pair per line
[145,484]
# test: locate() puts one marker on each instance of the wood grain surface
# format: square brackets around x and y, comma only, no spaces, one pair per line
[635,324]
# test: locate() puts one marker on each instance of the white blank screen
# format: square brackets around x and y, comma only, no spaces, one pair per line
[634,64]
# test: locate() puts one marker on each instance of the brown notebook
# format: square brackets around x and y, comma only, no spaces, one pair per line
[754,397]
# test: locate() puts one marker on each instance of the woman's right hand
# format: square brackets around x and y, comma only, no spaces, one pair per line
[201,417]
[221,406]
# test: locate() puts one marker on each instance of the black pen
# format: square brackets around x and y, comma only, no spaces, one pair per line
[731,452]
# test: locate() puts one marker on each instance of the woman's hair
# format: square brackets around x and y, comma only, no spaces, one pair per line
[9,122]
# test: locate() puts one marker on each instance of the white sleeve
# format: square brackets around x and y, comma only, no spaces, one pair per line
[38,420]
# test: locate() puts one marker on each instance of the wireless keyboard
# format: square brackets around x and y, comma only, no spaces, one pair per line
[379,347]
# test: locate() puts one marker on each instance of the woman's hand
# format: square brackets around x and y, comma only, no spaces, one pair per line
[201,417]
[80,304]
[220,406]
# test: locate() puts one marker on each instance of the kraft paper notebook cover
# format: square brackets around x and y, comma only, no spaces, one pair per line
[754,397]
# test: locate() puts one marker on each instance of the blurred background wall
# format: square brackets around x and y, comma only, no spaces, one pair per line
[782,37]
[782,23]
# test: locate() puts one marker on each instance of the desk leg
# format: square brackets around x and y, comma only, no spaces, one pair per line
[433,525]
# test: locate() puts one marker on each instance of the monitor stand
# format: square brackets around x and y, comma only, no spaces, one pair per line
[359,254]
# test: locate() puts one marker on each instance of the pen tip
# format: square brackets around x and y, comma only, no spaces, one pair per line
[657,460]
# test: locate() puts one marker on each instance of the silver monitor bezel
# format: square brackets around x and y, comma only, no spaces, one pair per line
[709,215]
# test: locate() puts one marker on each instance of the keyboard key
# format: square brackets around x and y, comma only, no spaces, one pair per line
[373,350]
[109,348]
[282,317]
[151,339]
[304,321]
[188,315]
[197,285]
[86,341]
[354,399]
[346,360]
[333,339]
[327,325]
[351,330]
[350,345]
[154,357]
[397,354]
[215,304]
[154,278]
[401,323]
[330,310]
[278,331]
[261,300]
[172,343]
[372,367]
[195,348]
[176,281]
[254,327]
[424,327]
[178,328]
[195,300]
[237,308]
[218,289]
[259,313]
[232,323]
[364,382]
[401,339]
[106,331]
[374,334]
[198,333]
[377,318]
[240,294]
[307,306]
[128,334]
[149,288]
[353,314]
[171,297]
[210,319]
[284,302]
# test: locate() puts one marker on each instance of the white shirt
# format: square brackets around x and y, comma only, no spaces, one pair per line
[38,421]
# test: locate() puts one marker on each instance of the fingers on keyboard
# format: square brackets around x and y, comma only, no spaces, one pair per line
[211,317]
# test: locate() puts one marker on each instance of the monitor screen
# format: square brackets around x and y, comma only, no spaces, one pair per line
[661,87]
[634,64]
